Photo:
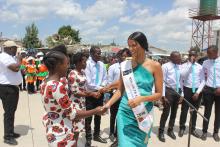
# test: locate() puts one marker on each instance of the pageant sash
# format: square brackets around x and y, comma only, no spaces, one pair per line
[143,117]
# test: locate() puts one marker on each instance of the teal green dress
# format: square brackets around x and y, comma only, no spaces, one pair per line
[129,135]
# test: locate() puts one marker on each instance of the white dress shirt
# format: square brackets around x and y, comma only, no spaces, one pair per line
[90,72]
[169,76]
[114,73]
[8,76]
[187,76]
[208,67]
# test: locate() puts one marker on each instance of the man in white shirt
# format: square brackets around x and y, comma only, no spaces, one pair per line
[113,76]
[172,86]
[96,76]
[193,82]
[10,78]
[211,92]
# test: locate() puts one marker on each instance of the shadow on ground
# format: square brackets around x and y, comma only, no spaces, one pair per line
[176,130]
[22,129]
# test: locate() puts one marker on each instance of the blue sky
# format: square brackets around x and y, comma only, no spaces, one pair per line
[165,22]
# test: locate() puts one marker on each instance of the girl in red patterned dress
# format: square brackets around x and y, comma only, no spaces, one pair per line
[78,92]
[61,112]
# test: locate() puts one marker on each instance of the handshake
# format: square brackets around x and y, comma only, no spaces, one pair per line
[99,93]
[101,110]
[104,90]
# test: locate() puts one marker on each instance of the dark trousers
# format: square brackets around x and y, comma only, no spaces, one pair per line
[23,84]
[185,107]
[9,95]
[92,103]
[209,99]
[30,87]
[113,113]
[173,99]
[38,82]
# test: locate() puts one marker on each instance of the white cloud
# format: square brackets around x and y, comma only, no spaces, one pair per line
[124,19]
[113,29]
[104,36]
[6,15]
[96,24]
[162,41]
[90,18]
[68,9]
[89,31]
[141,12]
[32,13]
[135,6]
[94,34]
[25,10]
[100,10]
[105,9]
[94,21]
[164,28]
[187,3]
[28,2]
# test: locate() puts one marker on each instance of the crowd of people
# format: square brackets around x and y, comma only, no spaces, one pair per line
[196,83]
[33,71]
[77,88]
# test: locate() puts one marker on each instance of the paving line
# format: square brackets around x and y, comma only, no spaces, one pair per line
[30,121]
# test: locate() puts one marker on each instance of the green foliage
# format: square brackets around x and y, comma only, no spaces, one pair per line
[66,35]
[66,31]
[31,39]
[51,42]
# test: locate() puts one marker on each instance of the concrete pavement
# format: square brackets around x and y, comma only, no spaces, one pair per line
[29,124]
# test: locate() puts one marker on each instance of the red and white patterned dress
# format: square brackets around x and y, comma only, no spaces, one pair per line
[60,113]
[77,82]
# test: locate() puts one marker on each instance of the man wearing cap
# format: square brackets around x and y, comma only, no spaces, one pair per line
[10,78]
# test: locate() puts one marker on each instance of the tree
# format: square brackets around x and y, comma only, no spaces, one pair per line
[67,31]
[53,40]
[66,35]
[31,39]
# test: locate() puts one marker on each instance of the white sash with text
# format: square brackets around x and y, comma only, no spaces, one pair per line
[143,117]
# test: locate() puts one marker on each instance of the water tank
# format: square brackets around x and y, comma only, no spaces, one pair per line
[208,7]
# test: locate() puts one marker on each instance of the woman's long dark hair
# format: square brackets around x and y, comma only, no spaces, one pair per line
[140,38]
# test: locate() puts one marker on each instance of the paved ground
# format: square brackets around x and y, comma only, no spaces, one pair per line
[28,124]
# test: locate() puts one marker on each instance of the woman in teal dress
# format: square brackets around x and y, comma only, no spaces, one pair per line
[146,73]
